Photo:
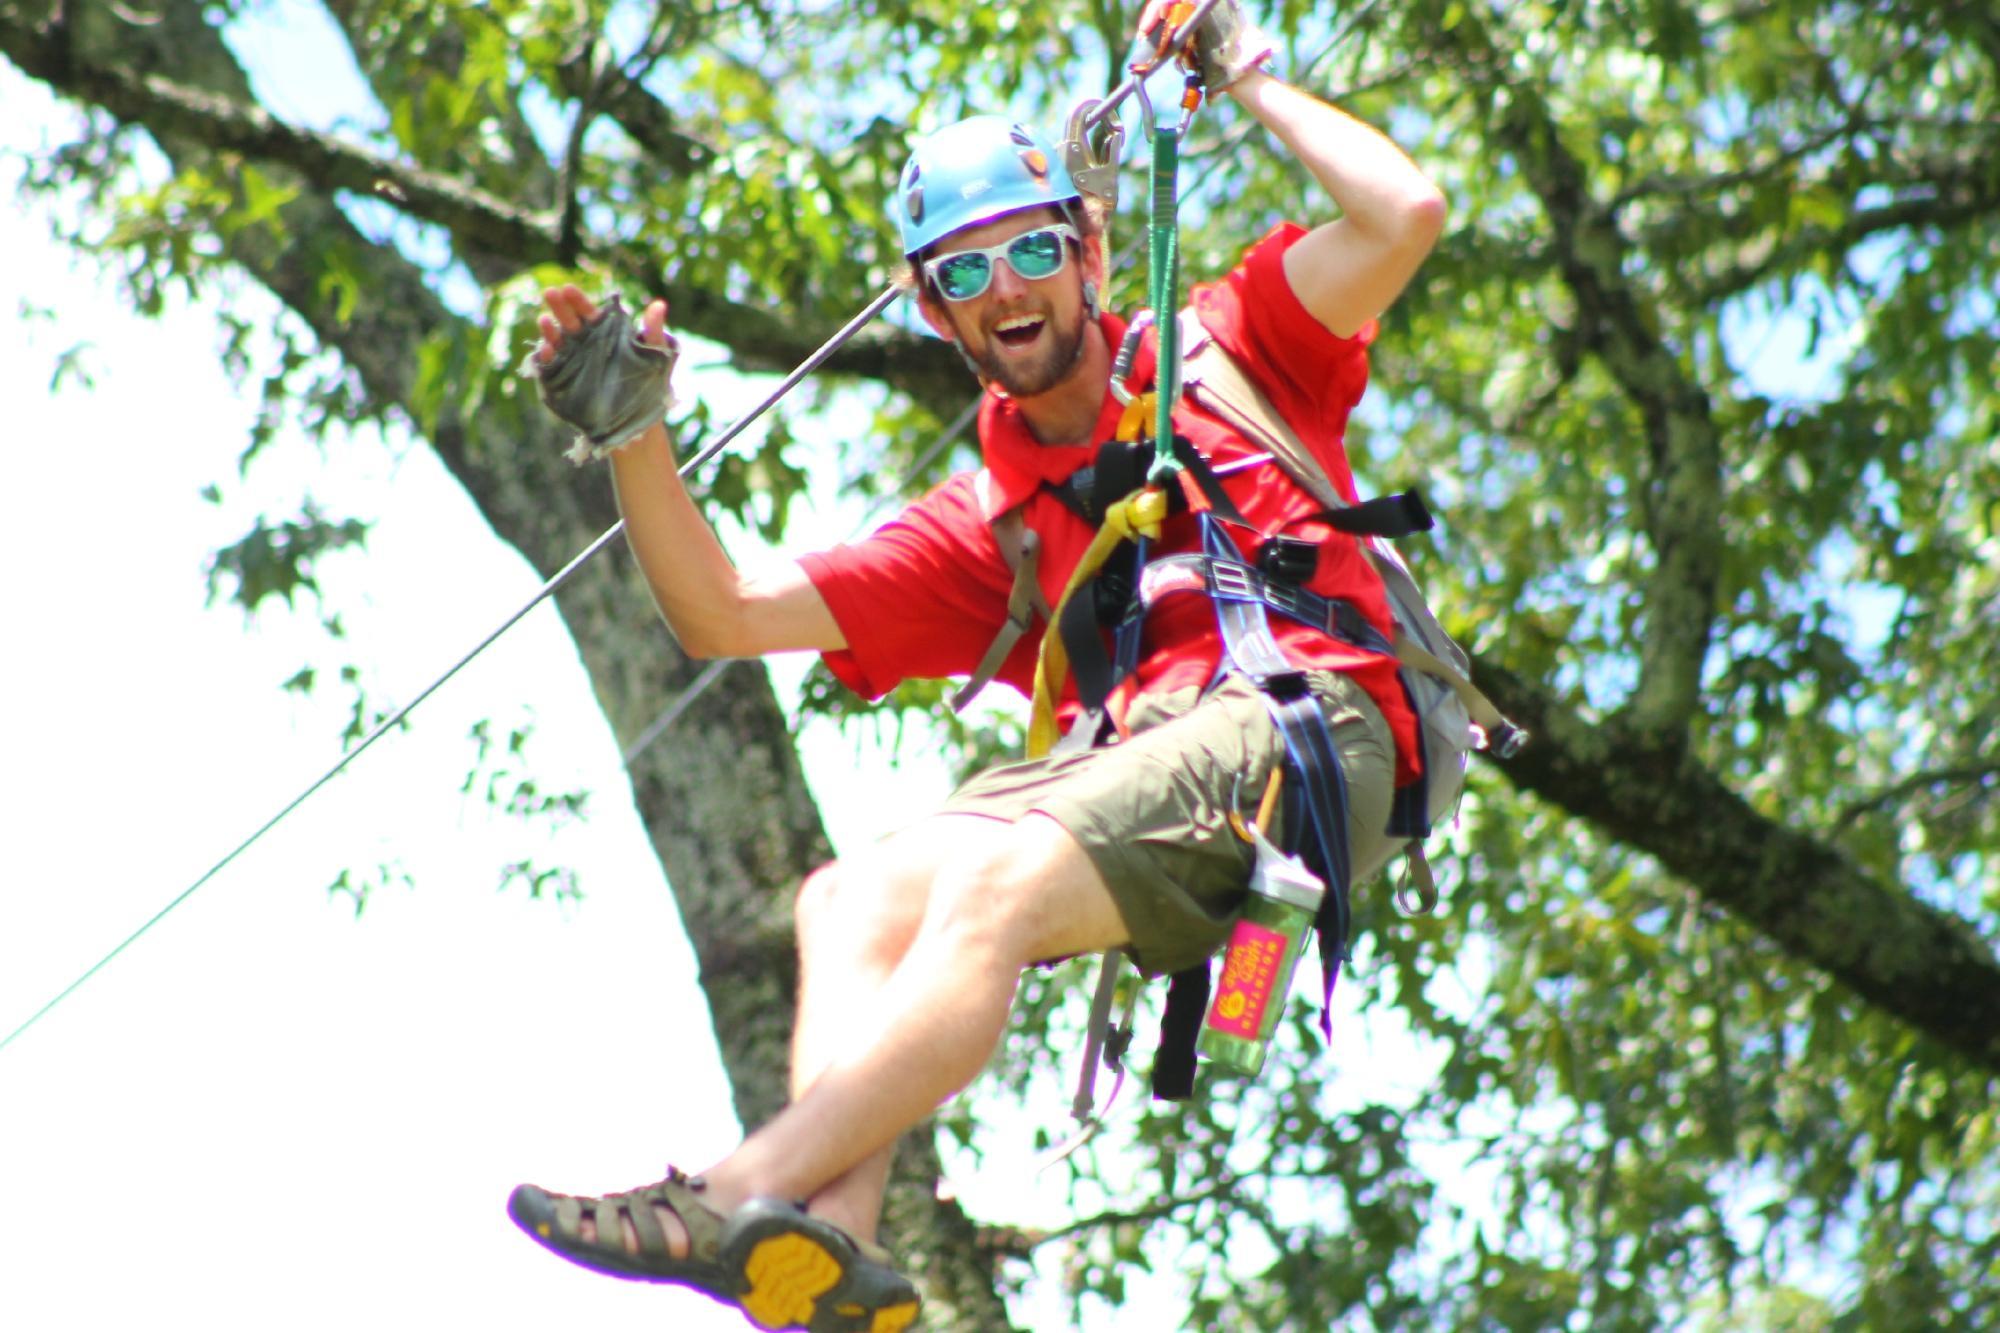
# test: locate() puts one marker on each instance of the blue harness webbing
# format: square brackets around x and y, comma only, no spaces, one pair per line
[1316,798]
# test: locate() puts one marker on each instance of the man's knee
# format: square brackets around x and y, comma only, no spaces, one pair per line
[814,903]
[862,909]
[1026,894]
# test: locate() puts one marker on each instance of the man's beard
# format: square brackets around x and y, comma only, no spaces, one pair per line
[1035,375]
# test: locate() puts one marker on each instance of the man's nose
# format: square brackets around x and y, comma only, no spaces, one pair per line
[1007,284]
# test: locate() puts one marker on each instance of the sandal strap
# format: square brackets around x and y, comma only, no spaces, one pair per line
[679,1193]
[638,1206]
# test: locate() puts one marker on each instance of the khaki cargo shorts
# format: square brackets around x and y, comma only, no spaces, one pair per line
[1153,810]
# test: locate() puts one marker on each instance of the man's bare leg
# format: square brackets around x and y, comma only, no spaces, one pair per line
[1006,896]
[912,953]
[856,920]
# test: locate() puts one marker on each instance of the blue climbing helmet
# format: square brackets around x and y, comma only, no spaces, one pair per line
[979,169]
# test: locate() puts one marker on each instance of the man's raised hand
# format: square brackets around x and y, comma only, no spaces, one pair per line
[599,373]
[1226,46]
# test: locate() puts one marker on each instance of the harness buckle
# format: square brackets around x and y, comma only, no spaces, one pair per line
[1290,684]
[1234,580]
[1296,602]
[1291,558]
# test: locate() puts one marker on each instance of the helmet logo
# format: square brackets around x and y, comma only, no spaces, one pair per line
[913,192]
[1037,163]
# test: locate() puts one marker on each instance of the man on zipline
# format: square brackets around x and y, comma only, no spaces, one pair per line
[910,951]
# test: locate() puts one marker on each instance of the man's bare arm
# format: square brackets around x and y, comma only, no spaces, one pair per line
[1347,271]
[712,609]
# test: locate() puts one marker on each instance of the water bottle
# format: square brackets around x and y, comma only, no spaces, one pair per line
[1264,949]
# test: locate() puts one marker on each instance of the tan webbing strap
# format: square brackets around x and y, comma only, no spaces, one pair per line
[1480,708]
[1218,383]
[1022,550]
[1212,377]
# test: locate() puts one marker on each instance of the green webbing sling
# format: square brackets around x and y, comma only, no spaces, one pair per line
[1163,292]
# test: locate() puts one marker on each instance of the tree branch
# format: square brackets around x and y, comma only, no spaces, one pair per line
[224,124]
[1963,776]
[1685,488]
[761,340]
[1966,193]
[1225,1187]
[1924,966]
[646,120]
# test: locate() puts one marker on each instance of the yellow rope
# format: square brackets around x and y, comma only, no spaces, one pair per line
[1137,421]
[1138,513]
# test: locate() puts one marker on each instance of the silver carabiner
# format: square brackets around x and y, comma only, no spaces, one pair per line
[1093,141]
[1145,108]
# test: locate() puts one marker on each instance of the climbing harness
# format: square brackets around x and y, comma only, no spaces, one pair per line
[1128,495]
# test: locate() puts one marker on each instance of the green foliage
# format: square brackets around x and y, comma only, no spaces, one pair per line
[359,885]
[279,559]
[502,777]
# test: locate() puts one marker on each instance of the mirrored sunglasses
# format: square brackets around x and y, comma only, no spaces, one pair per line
[964,274]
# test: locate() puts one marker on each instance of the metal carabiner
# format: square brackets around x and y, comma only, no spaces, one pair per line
[1093,142]
[1146,121]
[1128,348]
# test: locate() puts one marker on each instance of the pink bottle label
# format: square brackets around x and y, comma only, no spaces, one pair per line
[1249,972]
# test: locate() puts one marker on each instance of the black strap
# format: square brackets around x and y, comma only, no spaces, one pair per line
[1316,806]
[1117,469]
[1207,482]
[1391,516]
[1180,1024]
[1090,665]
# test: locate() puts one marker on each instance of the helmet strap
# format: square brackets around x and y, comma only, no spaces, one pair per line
[1090,306]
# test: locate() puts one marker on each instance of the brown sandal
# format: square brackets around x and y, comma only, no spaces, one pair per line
[556,1222]
[780,1266]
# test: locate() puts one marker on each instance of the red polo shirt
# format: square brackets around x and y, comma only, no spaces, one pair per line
[925,593]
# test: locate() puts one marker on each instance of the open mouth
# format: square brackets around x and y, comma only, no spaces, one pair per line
[1018,330]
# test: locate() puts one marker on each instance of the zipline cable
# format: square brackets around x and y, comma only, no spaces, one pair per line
[1139,73]
[548,589]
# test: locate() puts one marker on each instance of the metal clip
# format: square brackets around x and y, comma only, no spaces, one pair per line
[1091,147]
[1146,121]
[1128,348]
[1190,103]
